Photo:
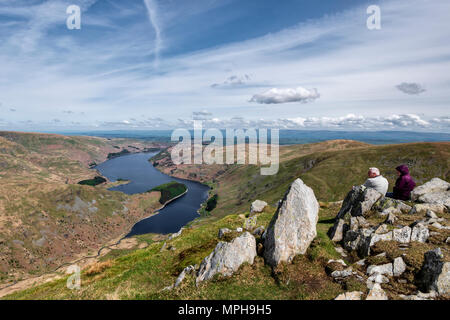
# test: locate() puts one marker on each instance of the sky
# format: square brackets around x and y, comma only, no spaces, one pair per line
[161,64]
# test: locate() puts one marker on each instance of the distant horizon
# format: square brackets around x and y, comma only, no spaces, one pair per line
[286,136]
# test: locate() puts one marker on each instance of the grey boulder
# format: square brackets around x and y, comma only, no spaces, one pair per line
[293,227]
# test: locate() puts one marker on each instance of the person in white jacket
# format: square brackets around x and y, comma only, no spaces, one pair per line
[377,181]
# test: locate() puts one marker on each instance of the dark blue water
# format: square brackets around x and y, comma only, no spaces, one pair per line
[143,177]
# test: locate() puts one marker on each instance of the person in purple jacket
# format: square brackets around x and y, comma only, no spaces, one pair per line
[404,184]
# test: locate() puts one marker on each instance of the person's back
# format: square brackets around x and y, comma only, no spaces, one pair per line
[377,181]
[404,184]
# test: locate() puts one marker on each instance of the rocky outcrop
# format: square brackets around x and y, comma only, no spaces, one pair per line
[435,185]
[227,257]
[359,201]
[435,273]
[293,227]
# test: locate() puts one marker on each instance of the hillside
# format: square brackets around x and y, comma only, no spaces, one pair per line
[46,218]
[331,168]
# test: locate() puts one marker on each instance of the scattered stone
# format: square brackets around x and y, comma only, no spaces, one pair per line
[381,237]
[239,229]
[399,267]
[420,233]
[384,269]
[420,296]
[227,257]
[258,231]
[342,273]
[293,227]
[390,210]
[377,278]
[391,219]
[361,262]
[181,277]
[402,235]
[381,229]
[447,240]
[342,262]
[341,251]
[174,235]
[431,214]
[377,293]
[222,232]
[257,206]
[354,295]
[435,273]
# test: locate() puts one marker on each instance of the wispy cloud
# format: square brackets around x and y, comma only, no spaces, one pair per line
[152,10]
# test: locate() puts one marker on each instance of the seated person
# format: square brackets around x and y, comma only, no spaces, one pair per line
[404,184]
[377,181]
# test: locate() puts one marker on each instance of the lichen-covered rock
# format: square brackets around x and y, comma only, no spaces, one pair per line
[227,257]
[422,208]
[402,235]
[293,227]
[420,233]
[370,196]
[354,295]
[388,205]
[435,273]
[432,186]
[257,206]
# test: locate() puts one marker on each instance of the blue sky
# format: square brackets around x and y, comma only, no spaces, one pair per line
[154,64]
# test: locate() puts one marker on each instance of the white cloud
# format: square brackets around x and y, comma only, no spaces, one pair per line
[410,88]
[275,95]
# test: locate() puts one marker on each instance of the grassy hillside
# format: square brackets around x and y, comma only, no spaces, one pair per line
[46,218]
[143,273]
[331,168]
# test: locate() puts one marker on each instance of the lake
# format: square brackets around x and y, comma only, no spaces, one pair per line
[143,176]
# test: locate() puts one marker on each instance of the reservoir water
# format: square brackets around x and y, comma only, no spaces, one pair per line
[143,176]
